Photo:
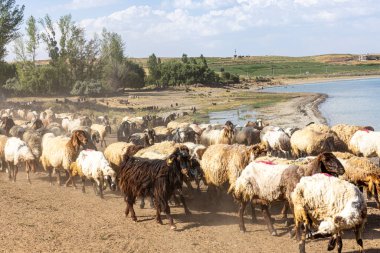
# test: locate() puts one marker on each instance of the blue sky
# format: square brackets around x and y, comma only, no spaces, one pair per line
[217,27]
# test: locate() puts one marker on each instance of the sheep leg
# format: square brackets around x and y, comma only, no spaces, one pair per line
[69,179]
[284,211]
[332,243]
[340,243]
[58,177]
[28,176]
[182,198]
[376,195]
[243,204]
[268,220]
[95,187]
[127,208]
[15,170]
[253,213]
[101,183]
[142,202]
[358,237]
[151,200]
[167,212]
[158,214]
[83,184]
[130,207]
[50,178]
[301,244]
[10,171]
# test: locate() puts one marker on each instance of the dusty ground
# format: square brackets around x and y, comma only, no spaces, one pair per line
[44,218]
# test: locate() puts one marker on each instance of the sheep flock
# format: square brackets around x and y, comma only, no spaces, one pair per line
[322,175]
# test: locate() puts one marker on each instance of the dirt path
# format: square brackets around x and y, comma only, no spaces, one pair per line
[44,218]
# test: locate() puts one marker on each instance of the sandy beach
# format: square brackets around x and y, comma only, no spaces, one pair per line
[297,112]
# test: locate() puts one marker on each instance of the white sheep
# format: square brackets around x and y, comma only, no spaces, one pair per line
[94,166]
[59,152]
[217,136]
[15,152]
[366,143]
[277,141]
[268,182]
[102,130]
[332,204]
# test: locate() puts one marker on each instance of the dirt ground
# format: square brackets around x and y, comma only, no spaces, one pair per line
[44,218]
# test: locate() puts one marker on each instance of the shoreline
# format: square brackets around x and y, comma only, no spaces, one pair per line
[296,112]
[304,109]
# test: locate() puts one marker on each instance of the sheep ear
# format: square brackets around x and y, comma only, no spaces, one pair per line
[75,139]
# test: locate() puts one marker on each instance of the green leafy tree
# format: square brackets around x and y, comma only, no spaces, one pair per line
[154,69]
[11,16]
[33,38]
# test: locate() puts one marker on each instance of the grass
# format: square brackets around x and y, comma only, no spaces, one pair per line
[291,67]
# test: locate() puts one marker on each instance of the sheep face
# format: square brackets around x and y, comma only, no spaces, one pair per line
[79,138]
[149,135]
[111,180]
[183,158]
[257,150]
[330,164]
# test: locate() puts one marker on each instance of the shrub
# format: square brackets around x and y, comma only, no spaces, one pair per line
[87,88]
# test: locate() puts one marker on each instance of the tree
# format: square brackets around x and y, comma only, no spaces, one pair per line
[154,69]
[33,37]
[185,59]
[11,16]
[112,60]
[48,36]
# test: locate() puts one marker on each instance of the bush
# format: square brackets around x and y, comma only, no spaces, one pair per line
[86,88]
[262,79]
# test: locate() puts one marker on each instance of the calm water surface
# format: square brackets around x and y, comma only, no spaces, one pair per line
[355,102]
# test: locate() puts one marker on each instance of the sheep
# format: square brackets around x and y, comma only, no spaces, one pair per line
[223,163]
[16,151]
[93,136]
[277,140]
[174,125]
[365,142]
[6,123]
[102,130]
[247,136]
[60,152]
[93,165]
[331,203]
[17,131]
[268,182]
[308,141]
[184,134]
[211,136]
[361,172]
[3,141]
[34,141]
[141,176]
[164,149]
[161,133]
[345,133]
[146,138]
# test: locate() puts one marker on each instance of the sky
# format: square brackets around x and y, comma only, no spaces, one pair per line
[169,28]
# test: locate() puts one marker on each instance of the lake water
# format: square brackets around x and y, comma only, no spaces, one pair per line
[355,102]
[238,116]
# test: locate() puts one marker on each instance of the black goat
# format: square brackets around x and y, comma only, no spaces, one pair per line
[141,176]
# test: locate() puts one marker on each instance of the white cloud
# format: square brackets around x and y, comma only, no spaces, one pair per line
[87,4]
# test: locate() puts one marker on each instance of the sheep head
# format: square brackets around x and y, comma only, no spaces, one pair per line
[257,150]
[79,138]
[328,163]
[182,157]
